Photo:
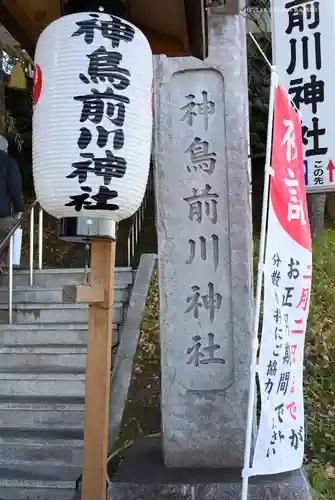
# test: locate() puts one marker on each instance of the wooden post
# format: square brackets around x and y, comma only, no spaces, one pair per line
[98,367]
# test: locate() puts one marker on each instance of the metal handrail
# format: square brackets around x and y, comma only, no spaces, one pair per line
[9,241]
[137,222]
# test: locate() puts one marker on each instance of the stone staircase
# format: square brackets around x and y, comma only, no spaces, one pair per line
[42,382]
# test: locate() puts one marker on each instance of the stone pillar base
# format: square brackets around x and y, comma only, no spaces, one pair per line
[143,476]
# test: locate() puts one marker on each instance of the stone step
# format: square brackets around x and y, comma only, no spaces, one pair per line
[50,278]
[13,491]
[42,415]
[42,383]
[53,313]
[34,451]
[51,475]
[46,334]
[42,357]
[54,295]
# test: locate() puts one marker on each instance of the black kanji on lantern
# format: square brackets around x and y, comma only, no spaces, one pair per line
[85,137]
[102,197]
[94,106]
[314,133]
[107,167]
[311,92]
[114,29]
[104,66]
[80,200]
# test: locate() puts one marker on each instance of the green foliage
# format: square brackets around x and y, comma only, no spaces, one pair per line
[320,355]
[322,480]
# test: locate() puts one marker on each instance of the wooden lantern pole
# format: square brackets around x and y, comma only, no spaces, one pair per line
[98,370]
[100,295]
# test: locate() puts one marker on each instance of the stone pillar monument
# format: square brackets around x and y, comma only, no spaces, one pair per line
[205,249]
[204,226]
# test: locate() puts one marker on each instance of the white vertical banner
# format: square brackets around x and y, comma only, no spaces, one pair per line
[287,274]
[303,45]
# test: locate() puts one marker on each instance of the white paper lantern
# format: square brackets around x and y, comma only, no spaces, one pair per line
[92,123]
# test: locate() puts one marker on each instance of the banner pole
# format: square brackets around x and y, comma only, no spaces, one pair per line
[254,348]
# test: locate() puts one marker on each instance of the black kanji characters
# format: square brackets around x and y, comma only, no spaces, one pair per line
[114,29]
[107,167]
[94,107]
[287,296]
[305,53]
[85,137]
[196,352]
[272,368]
[276,260]
[311,92]
[104,66]
[297,12]
[287,358]
[102,197]
[275,277]
[283,383]
[314,133]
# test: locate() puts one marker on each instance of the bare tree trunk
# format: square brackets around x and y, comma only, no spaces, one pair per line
[316,211]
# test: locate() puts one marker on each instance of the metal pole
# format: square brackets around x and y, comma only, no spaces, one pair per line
[40,239]
[31,247]
[10,281]
[253,364]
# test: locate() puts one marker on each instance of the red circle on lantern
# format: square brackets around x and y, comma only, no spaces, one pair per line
[37,84]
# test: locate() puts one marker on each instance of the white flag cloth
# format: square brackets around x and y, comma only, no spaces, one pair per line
[287,289]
